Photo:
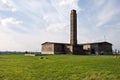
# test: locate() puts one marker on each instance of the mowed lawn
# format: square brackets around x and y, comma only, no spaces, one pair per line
[59,67]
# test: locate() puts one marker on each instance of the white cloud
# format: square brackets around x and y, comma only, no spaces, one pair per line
[73,4]
[118,24]
[49,20]
[108,12]
[58,18]
[58,27]
[46,13]
[9,21]
[7,5]
[99,3]
[7,43]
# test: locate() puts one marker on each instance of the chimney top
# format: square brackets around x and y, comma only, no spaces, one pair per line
[73,11]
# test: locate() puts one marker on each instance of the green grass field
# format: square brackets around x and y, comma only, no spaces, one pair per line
[59,67]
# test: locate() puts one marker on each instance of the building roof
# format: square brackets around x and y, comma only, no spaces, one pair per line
[78,44]
[96,43]
[54,43]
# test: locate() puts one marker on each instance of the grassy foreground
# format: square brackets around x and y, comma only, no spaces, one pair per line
[59,67]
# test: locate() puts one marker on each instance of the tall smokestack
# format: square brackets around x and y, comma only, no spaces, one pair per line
[73,27]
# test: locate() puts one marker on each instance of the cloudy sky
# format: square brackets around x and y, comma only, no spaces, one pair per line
[26,24]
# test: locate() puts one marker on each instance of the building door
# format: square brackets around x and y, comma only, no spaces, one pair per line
[92,51]
[63,50]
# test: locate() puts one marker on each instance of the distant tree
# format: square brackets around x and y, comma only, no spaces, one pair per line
[116,53]
[26,52]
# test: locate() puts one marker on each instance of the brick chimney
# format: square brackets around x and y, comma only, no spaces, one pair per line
[73,27]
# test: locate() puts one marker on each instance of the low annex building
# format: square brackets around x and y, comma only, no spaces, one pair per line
[60,48]
[73,47]
[98,48]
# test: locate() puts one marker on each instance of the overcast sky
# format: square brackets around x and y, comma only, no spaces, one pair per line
[26,24]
